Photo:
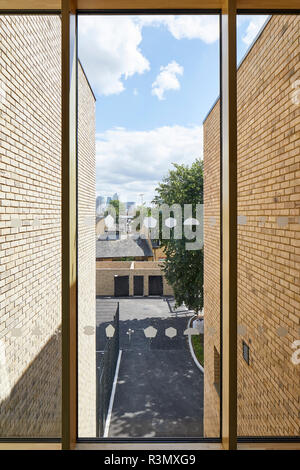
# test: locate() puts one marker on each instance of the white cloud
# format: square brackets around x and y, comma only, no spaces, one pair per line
[167,79]
[255,24]
[109,47]
[134,162]
[204,27]
[109,50]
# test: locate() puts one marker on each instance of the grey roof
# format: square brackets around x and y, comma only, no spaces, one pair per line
[123,248]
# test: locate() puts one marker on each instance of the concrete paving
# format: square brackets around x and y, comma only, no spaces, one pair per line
[159,391]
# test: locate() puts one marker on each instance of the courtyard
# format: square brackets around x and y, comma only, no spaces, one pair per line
[159,390]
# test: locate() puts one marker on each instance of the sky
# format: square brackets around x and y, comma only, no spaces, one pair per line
[155,79]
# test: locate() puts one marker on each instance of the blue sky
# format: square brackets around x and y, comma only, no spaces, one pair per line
[155,78]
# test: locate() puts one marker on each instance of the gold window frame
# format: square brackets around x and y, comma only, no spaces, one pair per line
[228,10]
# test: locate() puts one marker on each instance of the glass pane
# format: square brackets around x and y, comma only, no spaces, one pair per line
[30,228]
[268,229]
[141,335]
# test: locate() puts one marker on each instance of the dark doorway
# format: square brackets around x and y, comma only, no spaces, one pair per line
[155,285]
[121,286]
[138,285]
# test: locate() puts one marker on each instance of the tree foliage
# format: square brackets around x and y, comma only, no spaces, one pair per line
[183,268]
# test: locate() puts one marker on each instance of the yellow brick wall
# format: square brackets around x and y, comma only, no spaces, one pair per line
[268,232]
[30,233]
[212,241]
[86,259]
[30,227]
[159,253]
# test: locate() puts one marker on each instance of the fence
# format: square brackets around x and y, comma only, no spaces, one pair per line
[106,366]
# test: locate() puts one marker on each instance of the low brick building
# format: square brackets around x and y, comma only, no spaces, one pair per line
[115,278]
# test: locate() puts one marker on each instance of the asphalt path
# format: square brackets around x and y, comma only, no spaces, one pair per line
[159,391]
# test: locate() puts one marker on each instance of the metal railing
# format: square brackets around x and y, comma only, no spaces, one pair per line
[106,367]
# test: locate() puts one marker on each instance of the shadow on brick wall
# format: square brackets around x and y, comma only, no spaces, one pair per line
[33,408]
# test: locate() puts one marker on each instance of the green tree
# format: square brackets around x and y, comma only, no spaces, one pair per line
[183,268]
